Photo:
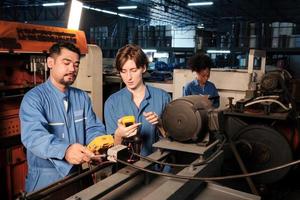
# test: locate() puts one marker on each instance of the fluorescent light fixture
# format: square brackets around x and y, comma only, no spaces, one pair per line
[149,50]
[204,3]
[53,4]
[218,51]
[126,7]
[109,12]
[112,13]
[75,15]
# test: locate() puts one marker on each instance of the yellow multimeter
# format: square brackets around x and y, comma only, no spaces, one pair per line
[101,142]
[128,120]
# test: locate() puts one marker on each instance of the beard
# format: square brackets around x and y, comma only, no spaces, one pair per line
[67,80]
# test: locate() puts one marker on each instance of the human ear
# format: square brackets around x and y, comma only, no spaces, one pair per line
[144,68]
[50,62]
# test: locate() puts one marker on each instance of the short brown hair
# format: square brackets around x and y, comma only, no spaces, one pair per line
[131,52]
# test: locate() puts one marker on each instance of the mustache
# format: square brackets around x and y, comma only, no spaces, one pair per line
[72,74]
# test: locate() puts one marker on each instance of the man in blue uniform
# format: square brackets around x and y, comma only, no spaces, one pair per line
[144,102]
[201,64]
[57,121]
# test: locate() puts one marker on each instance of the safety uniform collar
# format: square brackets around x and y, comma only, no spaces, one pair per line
[196,82]
[129,94]
[56,91]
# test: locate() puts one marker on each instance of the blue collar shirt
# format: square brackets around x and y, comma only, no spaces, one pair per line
[194,88]
[121,104]
[51,121]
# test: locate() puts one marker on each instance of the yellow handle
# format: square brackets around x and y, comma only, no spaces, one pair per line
[101,142]
[128,120]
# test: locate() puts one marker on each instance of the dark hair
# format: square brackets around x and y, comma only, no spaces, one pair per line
[56,48]
[199,62]
[131,52]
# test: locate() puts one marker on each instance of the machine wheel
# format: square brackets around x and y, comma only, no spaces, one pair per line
[261,148]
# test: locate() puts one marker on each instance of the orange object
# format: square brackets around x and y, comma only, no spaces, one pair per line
[29,38]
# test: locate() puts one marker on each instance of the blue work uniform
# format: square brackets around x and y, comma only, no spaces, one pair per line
[121,104]
[194,88]
[51,121]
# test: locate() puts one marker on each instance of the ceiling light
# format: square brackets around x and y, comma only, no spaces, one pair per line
[218,51]
[53,4]
[112,13]
[149,50]
[204,3]
[126,7]
[200,26]
[75,15]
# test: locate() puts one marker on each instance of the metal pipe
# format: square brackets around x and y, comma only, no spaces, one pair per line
[63,183]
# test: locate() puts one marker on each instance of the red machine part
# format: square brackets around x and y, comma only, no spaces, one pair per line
[9,118]
[13,170]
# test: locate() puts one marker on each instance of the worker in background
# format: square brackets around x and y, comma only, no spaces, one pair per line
[201,64]
[57,121]
[144,102]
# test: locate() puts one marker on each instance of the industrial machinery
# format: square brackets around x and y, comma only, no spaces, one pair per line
[263,129]
[189,156]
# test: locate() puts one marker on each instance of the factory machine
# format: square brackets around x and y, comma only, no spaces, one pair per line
[264,127]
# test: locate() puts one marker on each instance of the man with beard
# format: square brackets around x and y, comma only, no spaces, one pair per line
[57,121]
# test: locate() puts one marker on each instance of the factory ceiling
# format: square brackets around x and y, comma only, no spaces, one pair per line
[175,12]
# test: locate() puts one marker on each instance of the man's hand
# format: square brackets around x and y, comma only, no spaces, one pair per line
[78,154]
[125,132]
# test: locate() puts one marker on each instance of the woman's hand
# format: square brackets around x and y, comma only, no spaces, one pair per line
[151,117]
[125,132]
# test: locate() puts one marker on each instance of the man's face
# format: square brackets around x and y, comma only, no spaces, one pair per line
[131,75]
[64,67]
[203,76]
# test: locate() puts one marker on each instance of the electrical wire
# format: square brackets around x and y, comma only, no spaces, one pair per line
[183,165]
[267,96]
[267,100]
[216,178]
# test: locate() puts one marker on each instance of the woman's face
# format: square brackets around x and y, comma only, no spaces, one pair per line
[203,76]
[131,75]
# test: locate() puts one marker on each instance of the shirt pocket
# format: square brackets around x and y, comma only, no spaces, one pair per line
[78,116]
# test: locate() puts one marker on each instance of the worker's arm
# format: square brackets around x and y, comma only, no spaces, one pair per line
[35,133]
